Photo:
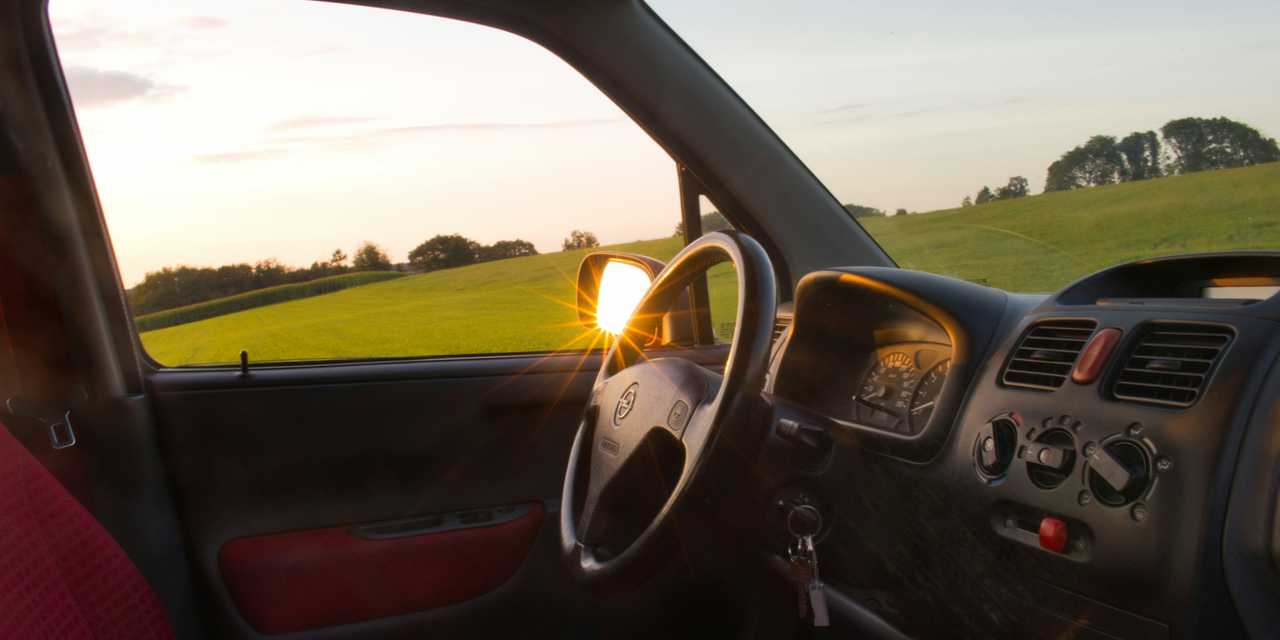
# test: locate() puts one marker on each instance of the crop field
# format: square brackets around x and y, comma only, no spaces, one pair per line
[1036,243]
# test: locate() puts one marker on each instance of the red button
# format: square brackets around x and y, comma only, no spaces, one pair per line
[1053,535]
[1095,356]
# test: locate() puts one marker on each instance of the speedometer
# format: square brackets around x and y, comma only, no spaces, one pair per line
[926,395]
[884,398]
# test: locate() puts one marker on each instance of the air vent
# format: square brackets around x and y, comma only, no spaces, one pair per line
[1046,353]
[780,327]
[1170,363]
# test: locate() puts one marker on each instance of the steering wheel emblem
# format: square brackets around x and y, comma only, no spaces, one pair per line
[625,404]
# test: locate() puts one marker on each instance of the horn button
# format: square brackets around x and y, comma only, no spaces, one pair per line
[661,393]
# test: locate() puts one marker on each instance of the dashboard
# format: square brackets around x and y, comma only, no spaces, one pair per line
[1097,462]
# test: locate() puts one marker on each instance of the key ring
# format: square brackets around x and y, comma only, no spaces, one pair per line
[793,525]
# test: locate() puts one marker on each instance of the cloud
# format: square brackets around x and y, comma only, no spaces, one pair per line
[204,22]
[237,156]
[845,108]
[309,122]
[100,87]
[854,114]
[498,126]
[76,35]
[299,142]
[452,127]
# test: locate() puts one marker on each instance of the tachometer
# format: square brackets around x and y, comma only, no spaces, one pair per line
[926,394]
[884,398]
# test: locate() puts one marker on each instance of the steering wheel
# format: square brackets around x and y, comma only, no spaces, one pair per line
[665,412]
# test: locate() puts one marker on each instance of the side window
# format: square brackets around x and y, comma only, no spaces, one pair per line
[314,181]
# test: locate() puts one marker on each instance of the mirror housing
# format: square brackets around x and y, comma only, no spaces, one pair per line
[677,325]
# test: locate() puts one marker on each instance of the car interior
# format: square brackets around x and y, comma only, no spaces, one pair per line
[870,449]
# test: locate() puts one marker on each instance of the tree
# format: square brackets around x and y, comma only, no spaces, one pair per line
[1094,163]
[900,212]
[984,196]
[504,249]
[1016,188]
[1202,144]
[339,260]
[1140,152]
[713,221]
[967,202]
[370,257]
[444,252]
[860,211]
[579,239]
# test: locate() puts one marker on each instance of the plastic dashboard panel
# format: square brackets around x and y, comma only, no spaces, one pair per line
[945,550]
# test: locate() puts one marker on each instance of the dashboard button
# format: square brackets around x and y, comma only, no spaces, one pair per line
[1053,535]
[1095,356]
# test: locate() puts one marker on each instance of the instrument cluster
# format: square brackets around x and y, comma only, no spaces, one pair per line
[900,388]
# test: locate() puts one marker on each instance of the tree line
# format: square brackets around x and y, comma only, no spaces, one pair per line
[179,286]
[1184,145]
[182,285]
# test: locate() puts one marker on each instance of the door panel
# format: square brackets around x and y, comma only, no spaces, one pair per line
[299,455]
[354,574]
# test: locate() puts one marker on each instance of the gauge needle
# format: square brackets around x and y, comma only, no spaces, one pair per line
[922,407]
[876,406]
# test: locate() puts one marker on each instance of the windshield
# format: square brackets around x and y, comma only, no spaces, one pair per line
[1014,145]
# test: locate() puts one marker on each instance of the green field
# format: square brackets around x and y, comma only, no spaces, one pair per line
[1043,242]
[521,304]
[525,304]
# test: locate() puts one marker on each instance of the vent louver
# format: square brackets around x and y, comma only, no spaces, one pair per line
[1046,353]
[780,327]
[1170,363]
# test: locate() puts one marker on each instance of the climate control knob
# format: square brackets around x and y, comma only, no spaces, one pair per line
[993,450]
[1119,472]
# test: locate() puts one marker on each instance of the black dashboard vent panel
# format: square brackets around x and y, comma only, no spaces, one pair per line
[1046,353]
[1170,363]
[780,327]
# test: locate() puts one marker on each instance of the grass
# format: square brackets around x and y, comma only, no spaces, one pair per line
[1043,242]
[516,305]
[525,304]
[259,298]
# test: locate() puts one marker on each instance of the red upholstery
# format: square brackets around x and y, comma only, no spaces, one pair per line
[61,574]
[310,579]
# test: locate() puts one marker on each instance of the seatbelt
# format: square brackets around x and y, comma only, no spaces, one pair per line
[45,429]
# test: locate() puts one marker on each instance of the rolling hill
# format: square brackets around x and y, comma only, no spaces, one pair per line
[1037,243]
[1041,243]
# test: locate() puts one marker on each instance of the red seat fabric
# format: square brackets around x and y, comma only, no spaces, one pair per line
[61,574]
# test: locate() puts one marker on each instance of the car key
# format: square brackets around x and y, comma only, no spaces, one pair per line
[816,591]
[801,574]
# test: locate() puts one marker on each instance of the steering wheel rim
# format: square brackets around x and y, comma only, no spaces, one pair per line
[625,408]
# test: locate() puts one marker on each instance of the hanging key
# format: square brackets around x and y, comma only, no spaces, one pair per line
[816,591]
[801,575]
[804,521]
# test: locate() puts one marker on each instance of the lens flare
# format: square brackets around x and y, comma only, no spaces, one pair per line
[622,286]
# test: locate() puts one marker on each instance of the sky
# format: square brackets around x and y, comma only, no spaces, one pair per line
[239,130]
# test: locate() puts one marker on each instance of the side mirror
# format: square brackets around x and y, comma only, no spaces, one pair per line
[610,285]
